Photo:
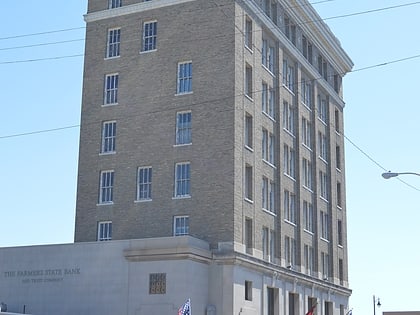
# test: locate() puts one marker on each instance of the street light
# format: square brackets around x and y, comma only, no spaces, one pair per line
[376,303]
[390,174]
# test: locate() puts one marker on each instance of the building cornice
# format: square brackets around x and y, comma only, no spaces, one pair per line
[130,9]
[277,272]
[168,248]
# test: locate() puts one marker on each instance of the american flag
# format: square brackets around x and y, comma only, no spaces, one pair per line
[185,309]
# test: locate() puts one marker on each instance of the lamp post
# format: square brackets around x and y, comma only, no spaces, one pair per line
[390,174]
[376,302]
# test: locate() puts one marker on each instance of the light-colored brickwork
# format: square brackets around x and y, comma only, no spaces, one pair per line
[233,46]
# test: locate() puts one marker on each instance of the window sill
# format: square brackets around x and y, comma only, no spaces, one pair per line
[182,145]
[269,116]
[289,176]
[324,199]
[147,51]
[249,97]
[113,57]
[105,204]
[269,163]
[288,89]
[108,105]
[184,93]
[142,200]
[107,153]
[249,200]
[290,222]
[289,132]
[269,212]
[306,146]
[309,232]
[181,197]
[249,49]
[249,148]
[268,70]
[308,107]
[324,240]
[308,189]
[323,160]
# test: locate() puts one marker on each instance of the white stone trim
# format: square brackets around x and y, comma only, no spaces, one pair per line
[130,9]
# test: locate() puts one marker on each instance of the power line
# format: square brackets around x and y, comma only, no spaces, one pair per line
[40,59]
[38,132]
[43,33]
[43,44]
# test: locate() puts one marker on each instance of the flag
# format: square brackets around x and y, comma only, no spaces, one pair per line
[350,312]
[185,309]
[311,311]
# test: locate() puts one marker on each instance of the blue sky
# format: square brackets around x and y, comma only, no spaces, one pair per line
[39,171]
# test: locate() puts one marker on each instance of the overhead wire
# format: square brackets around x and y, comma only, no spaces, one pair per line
[79,55]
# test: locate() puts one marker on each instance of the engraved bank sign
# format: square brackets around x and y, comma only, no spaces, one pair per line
[41,275]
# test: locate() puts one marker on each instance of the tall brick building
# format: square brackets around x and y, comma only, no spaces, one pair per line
[221,120]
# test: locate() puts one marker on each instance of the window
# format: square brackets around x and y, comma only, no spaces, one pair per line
[265,243]
[183,128]
[290,29]
[144,183]
[149,36]
[309,259]
[323,67]
[338,157]
[288,117]
[337,120]
[341,271]
[339,199]
[293,304]
[308,216]
[267,54]
[105,231]
[324,225]
[307,49]
[268,195]
[307,174]
[307,92]
[248,130]
[268,100]
[248,235]
[111,89]
[306,132]
[272,301]
[248,81]
[106,187]
[157,283]
[289,202]
[109,133]
[325,265]
[181,225]
[184,77]
[290,251]
[323,146]
[248,290]
[248,33]
[248,183]
[337,82]
[182,180]
[113,45]
[322,109]
[323,178]
[288,75]
[289,161]
[340,232]
[268,146]
[112,4]
[272,245]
